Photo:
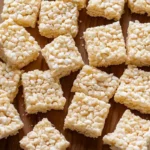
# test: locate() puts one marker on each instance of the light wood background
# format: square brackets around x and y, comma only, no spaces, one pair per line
[77,141]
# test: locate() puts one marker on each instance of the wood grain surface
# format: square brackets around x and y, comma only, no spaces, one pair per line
[77,141]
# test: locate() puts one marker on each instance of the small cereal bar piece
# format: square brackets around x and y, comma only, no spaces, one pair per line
[95,83]
[87,115]
[19,48]
[80,3]
[42,92]
[134,90]
[138,44]
[23,12]
[139,6]
[44,137]
[10,121]
[58,18]
[9,80]
[131,133]
[62,56]
[105,45]
[110,9]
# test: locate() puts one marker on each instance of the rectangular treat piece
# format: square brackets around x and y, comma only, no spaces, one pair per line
[42,92]
[86,115]
[134,90]
[80,3]
[110,9]
[19,48]
[44,136]
[23,12]
[139,6]
[105,45]
[58,18]
[9,80]
[131,133]
[62,56]
[138,44]
[10,121]
[95,83]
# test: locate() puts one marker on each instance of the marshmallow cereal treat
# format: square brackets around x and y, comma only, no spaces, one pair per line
[131,133]
[110,9]
[139,6]
[10,121]
[44,137]
[80,3]
[134,90]
[138,44]
[87,115]
[96,83]
[9,80]
[42,92]
[58,18]
[105,45]
[19,48]
[62,56]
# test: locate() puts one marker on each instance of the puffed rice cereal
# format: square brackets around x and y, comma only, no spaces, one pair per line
[58,18]
[105,45]
[110,9]
[19,48]
[95,83]
[131,133]
[86,115]
[42,92]
[138,44]
[10,121]
[44,137]
[134,90]
[62,56]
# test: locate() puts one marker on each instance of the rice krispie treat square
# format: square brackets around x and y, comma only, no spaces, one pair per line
[44,137]
[105,45]
[62,56]
[95,83]
[134,90]
[86,115]
[139,6]
[138,44]
[110,9]
[19,48]
[80,3]
[10,121]
[23,12]
[131,133]
[58,18]
[9,80]
[42,92]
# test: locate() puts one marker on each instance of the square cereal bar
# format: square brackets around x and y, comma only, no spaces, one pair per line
[10,121]
[131,133]
[87,115]
[134,90]
[138,44]
[110,9]
[44,137]
[58,18]
[95,83]
[42,92]
[9,80]
[105,45]
[62,56]
[80,3]
[139,6]
[23,12]
[19,48]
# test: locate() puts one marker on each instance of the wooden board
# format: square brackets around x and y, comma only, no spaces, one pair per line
[78,142]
